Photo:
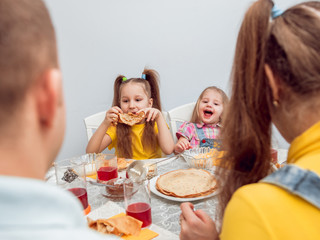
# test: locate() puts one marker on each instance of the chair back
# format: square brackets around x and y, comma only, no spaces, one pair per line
[179,115]
[93,122]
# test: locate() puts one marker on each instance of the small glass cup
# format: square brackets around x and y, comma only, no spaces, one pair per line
[106,166]
[89,163]
[71,176]
[137,201]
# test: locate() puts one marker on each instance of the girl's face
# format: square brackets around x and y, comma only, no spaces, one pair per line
[210,107]
[133,98]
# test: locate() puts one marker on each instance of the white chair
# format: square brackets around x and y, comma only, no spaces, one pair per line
[93,122]
[179,115]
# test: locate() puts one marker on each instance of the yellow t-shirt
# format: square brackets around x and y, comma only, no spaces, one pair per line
[264,211]
[138,152]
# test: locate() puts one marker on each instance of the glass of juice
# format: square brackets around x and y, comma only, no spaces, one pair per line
[137,200]
[71,175]
[106,166]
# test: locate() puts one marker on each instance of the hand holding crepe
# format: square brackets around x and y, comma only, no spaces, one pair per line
[187,183]
[130,118]
[119,226]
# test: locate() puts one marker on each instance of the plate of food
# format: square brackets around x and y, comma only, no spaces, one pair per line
[185,185]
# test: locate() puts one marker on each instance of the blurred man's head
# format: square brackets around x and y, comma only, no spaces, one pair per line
[30,79]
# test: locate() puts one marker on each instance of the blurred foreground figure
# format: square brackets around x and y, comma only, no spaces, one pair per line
[32,125]
[275,79]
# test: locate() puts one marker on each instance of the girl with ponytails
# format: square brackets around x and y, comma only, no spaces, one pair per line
[145,140]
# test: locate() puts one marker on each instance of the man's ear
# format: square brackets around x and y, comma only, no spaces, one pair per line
[150,102]
[273,83]
[48,96]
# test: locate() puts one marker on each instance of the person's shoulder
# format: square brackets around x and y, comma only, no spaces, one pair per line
[260,194]
[188,124]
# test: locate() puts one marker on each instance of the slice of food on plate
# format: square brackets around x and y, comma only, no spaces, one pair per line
[124,225]
[131,118]
[187,183]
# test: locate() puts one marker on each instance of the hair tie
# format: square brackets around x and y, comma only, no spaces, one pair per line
[124,79]
[276,12]
[143,76]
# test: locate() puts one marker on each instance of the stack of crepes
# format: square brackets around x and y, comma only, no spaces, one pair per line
[187,183]
[124,225]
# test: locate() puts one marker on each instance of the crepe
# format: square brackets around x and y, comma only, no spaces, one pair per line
[119,226]
[123,163]
[187,183]
[130,118]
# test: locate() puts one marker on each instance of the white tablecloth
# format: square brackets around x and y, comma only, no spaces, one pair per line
[165,213]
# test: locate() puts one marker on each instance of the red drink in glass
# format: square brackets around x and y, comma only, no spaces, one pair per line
[107,173]
[140,211]
[81,194]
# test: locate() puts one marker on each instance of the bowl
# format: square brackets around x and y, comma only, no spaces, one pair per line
[202,157]
[115,186]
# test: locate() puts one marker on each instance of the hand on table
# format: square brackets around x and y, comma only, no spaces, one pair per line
[196,224]
[182,145]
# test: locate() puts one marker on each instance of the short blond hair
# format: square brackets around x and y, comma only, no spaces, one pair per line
[27,49]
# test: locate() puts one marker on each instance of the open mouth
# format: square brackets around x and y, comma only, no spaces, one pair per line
[207,113]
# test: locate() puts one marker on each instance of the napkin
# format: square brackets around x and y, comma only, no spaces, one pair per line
[145,234]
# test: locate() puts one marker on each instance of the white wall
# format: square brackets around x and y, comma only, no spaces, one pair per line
[190,43]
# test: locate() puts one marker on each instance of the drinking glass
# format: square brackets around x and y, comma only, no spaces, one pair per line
[137,200]
[89,163]
[71,175]
[106,166]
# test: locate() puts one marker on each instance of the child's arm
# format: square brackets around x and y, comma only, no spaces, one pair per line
[164,136]
[100,140]
[182,145]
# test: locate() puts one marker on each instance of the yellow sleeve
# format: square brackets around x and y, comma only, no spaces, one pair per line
[156,128]
[112,132]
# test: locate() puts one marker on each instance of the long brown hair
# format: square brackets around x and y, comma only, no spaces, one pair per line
[289,44]
[195,114]
[151,87]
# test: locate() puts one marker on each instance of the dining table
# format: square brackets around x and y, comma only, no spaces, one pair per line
[165,210]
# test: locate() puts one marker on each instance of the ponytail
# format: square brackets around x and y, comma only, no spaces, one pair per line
[152,77]
[116,90]
[149,139]
[247,117]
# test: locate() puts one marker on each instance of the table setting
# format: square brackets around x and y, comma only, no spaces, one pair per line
[164,210]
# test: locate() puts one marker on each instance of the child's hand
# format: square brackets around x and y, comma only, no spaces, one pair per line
[182,145]
[151,113]
[112,115]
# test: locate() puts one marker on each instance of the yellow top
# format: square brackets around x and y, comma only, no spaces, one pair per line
[138,153]
[264,211]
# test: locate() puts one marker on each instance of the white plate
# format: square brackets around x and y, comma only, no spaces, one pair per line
[154,190]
